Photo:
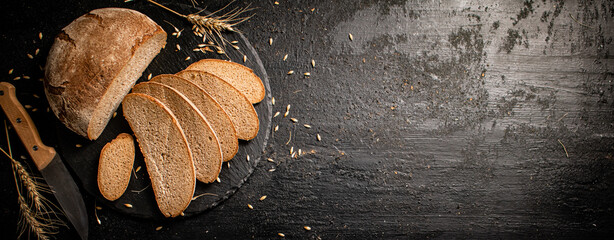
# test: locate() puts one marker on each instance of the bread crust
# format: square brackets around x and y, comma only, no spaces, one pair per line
[85,59]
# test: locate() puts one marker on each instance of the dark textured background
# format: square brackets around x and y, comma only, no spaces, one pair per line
[439,120]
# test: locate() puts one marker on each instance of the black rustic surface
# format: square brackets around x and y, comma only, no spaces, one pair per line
[455,119]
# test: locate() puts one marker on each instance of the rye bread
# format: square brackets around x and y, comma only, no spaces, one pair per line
[93,63]
[237,75]
[239,109]
[166,152]
[213,112]
[203,141]
[115,166]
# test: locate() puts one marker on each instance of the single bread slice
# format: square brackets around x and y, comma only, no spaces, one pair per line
[203,141]
[93,63]
[115,166]
[213,112]
[239,76]
[167,154]
[239,109]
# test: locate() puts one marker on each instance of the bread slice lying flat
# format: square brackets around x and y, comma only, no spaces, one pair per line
[239,76]
[115,166]
[93,63]
[239,109]
[167,154]
[213,112]
[203,142]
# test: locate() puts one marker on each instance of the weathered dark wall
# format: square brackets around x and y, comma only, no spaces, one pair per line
[438,120]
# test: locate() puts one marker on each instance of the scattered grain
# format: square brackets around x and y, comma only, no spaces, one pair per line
[307,74]
[272,170]
[270,41]
[228,164]
[138,169]
[313,63]
[291,149]
[114,114]
[26,77]
[281,234]
[40,35]
[294,120]
[351,37]
[149,76]
[35,96]
[235,47]
[234,42]
[270,160]
[98,208]
[37,51]
[262,198]
[16,78]
[188,58]
[178,47]
[128,205]
[78,145]
[273,101]
[308,228]
[288,108]
[318,137]
[244,58]
[307,126]
[285,57]
[276,3]
[10,71]
[276,114]
[218,180]
[159,228]
[286,113]
[30,56]
[276,128]
[247,158]
[300,152]
[290,72]
[250,206]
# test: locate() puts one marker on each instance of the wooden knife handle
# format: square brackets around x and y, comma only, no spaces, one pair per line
[21,121]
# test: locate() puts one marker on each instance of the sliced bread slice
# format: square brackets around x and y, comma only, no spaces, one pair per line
[167,154]
[213,112]
[203,141]
[239,76]
[115,166]
[239,109]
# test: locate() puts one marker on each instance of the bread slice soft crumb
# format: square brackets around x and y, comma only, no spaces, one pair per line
[115,166]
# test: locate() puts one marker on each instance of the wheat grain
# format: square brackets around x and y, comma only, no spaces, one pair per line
[10,71]
[351,37]
[262,198]
[308,228]
[285,57]
[276,114]
[290,72]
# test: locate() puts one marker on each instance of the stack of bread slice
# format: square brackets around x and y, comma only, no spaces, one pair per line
[189,123]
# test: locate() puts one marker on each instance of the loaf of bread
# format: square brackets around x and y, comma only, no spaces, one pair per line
[93,63]
[213,112]
[115,166]
[237,75]
[239,109]
[203,142]
[166,152]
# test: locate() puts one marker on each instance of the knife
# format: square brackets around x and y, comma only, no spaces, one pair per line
[47,160]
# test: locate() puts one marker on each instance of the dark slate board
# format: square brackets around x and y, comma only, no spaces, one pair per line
[82,155]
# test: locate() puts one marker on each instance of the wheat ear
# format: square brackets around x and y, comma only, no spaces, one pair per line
[210,27]
[36,214]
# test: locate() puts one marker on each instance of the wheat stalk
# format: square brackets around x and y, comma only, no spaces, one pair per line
[210,27]
[37,215]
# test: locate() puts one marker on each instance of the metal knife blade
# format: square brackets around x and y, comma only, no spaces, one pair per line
[46,159]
